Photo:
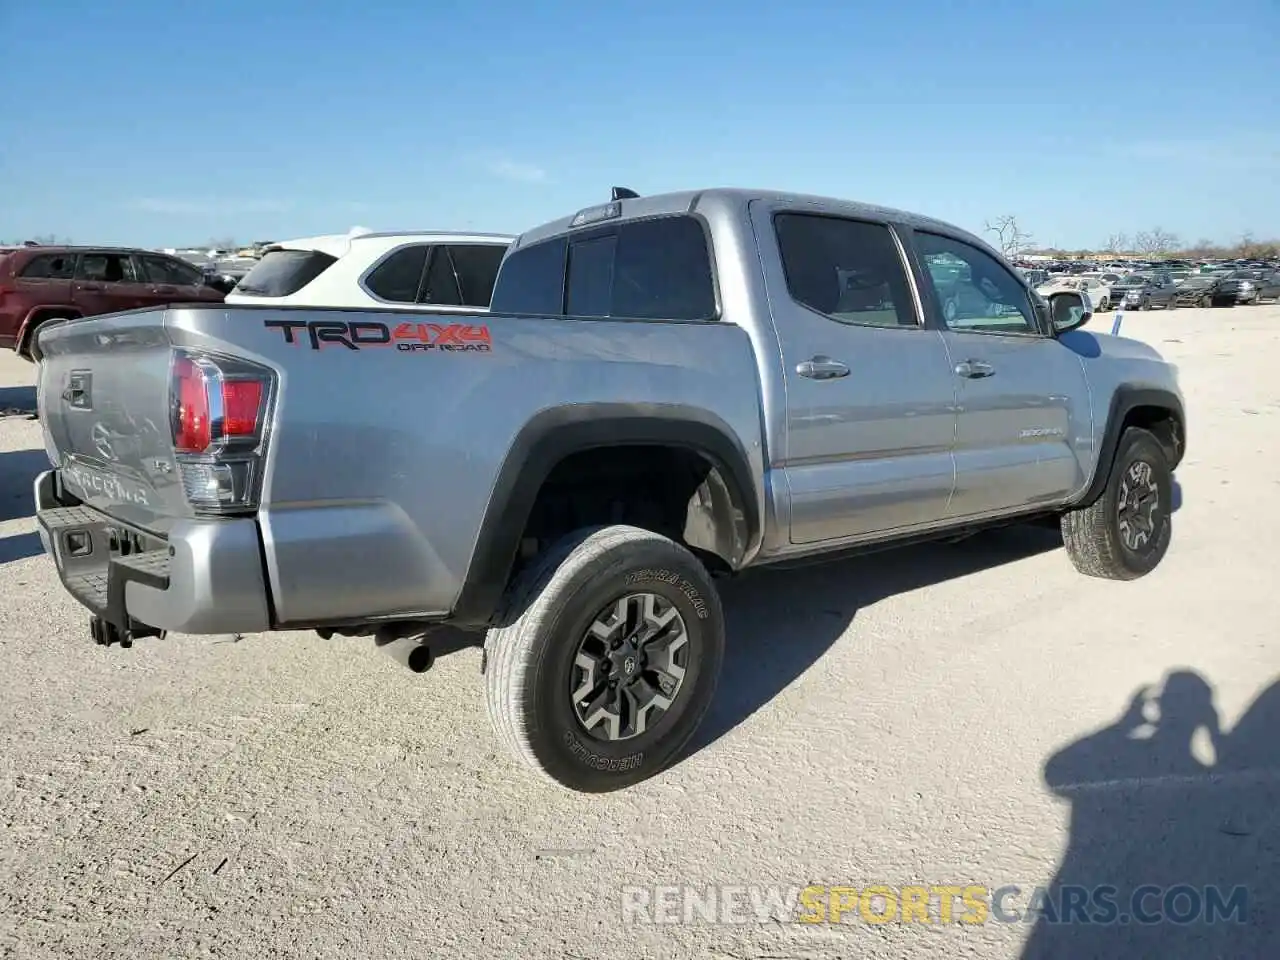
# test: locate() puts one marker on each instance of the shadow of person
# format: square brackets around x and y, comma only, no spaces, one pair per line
[1173,839]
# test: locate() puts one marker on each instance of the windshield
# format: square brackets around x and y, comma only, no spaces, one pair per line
[282,272]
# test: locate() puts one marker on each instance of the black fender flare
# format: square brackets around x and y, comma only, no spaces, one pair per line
[554,434]
[1123,402]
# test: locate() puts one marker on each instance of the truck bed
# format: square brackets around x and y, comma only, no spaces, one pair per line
[383,432]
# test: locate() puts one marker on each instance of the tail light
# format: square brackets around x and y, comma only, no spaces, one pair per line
[219,416]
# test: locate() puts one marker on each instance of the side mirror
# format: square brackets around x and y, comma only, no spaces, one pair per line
[1067,311]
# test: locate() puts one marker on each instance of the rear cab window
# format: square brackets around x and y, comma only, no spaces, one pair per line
[657,268]
[283,272]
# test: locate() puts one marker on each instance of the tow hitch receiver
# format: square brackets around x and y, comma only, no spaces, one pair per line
[105,633]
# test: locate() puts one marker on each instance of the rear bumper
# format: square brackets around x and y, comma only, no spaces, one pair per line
[205,577]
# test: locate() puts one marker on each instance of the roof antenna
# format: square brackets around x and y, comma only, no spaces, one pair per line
[623,193]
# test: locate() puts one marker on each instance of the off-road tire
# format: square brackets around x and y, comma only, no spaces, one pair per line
[529,657]
[1092,534]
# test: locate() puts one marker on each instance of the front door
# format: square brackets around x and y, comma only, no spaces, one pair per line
[169,280]
[1023,425]
[869,394]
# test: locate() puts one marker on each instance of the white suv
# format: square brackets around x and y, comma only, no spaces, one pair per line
[431,271]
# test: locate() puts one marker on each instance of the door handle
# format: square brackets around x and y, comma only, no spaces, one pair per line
[974,369]
[822,368]
[164,288]
[91,287]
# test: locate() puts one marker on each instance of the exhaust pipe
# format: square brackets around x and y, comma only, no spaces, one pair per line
[409,650]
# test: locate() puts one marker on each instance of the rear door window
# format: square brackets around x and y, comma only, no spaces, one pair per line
[283,272]
[106,268]
[397,278]
[50,266]
[850,271]
[476,267]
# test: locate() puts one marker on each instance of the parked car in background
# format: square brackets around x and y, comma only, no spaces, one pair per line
[1268,283]
[1144,291]
[1203,290]
[1099,293]
[1237,284]
[416,270]
[1257,283]
[41,284]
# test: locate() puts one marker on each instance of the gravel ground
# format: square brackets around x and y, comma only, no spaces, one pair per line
[881,721]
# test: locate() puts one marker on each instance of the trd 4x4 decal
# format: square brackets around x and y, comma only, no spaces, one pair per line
[411,336]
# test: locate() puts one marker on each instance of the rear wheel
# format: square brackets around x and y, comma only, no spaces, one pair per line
[1125,533]
[608,658]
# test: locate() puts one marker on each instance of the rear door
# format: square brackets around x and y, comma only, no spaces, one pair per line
[107,282]
[870,416]
[1023,403]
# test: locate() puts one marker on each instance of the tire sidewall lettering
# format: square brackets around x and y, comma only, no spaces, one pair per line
[674,579]
[569,743]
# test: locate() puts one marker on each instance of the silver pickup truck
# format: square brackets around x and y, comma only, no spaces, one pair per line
[666,389]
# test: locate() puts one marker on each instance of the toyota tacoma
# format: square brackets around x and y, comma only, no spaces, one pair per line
[666,390]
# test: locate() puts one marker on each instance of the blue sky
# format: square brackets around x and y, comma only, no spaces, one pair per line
[157,123]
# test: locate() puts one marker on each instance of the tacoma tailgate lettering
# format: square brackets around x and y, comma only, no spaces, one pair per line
[409,336]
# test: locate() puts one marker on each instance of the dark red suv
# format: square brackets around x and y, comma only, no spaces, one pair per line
[39,284]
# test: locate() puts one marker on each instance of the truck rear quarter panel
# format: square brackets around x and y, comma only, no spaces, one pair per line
[382,459]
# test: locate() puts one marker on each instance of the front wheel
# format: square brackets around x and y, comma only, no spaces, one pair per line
[607,659]
[1125,533]
[1105,305]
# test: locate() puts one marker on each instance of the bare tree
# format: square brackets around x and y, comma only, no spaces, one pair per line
[1118,243]
[1156,242]
[1010,238]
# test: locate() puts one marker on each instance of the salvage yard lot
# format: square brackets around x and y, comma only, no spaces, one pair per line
[884,720]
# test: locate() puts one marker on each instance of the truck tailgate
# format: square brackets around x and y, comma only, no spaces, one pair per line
[104,402]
